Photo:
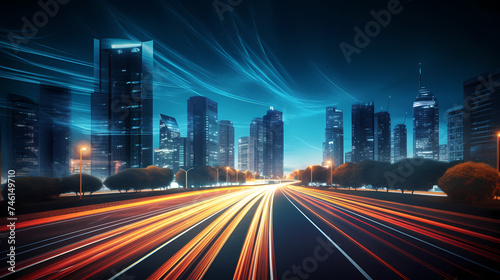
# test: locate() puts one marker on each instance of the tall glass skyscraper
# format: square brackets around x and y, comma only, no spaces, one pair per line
[257,133]
[246,158]
[24,136]
[362,131]
[167,156]
[333,147]
[425,124]
[54,131]
[273,145]
[203,132]
[399,139]
[482,117]
[122,106]
[382,141]
[226,142]
[456,133]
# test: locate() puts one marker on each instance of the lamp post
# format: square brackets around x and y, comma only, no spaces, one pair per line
[331,173]
[81,150]
[218,174]
[498,147]
[237,181]
[227,168]
[310,166]
[186,174]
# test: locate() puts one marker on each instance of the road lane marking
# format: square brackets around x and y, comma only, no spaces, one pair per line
[329,239]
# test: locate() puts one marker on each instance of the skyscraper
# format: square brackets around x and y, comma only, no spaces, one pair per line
[203,132]
[24,134]
[399,139]
[54,131]
[226,143]
[482,117]
[182,152]
[425,124]
[456,133]
[273,145]
[167,155]
[122,106]
[443,152]
[362,131]
[382,141]
[246,158]
[333,147]
[257,132]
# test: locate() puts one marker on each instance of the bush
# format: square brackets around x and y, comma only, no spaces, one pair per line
[139,178]
[90,184]
[32,189]
[470,182]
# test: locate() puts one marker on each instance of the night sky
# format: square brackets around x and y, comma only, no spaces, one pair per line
[284,54]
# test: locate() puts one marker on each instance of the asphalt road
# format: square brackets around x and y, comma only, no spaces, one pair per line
[264,232]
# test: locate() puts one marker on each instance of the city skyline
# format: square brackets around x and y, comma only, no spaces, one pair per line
[242,93]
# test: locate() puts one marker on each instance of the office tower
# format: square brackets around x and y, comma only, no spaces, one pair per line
[246,157]
[273,145]
[382,139]
[348,156]
[203,132]
[74,167]
[167,156]
[23,145]
[399,142]
[333,147]
[122,106]
[257,132]
[226,143]
[54,130]
[362,131]
[425,124]
[443,152]
[182,152]
[456,133]
[482,117]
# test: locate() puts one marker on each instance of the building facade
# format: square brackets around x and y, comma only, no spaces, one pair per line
[167,156]
[54,131]
[455,133]
[333,147]
[443,153]
[362,131]
[203,132]
[23,156]
[122,106]
[257,133]
[273,145]
[382,138]
[246,157]
[226,143]
[399,139]
[482,117]
[348,157]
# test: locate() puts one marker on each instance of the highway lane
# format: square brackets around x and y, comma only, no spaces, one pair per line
[263,232]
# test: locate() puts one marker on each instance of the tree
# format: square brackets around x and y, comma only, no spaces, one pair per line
[158,177]
[319,173]
[126,180]
[90,184]
[198,176]
[343,175]
[415,174]
[31,189]
[470,182]
[249,176]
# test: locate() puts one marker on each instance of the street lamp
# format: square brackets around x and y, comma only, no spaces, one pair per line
[81,150]
[331,172]
[310,166]
[237,182]
[186,174]
[498,155]
[218,174]
[227,168]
